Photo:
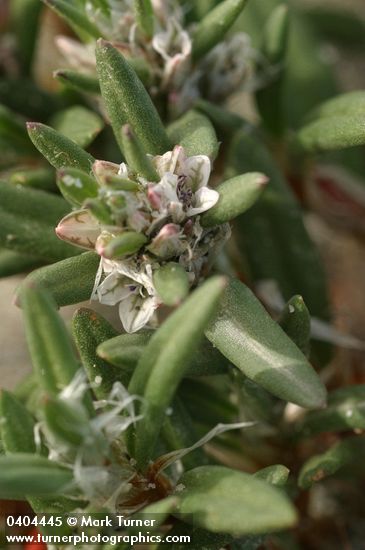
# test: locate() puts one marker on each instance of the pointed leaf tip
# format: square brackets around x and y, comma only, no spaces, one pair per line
[166,360]
[236,195]
[58,149]
[127,100]
[213,27]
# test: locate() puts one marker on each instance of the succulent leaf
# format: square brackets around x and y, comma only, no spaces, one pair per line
[127,101]
[212,28]
[246,504]
[165,361]
[245,333]
[59,150]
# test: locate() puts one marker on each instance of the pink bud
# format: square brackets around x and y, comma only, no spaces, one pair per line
[101,242]
[103,169]
[79,228]
[167,243]
[154,197]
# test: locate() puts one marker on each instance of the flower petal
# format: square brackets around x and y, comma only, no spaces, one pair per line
[141,273]
[113,289]
[168,162]
[79,228]
[197,170]
[174,46]
[205,198]
[123,170]
[135,311]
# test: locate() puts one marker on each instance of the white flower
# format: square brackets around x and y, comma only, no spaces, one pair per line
[166,213]
[183,185]
[174,45]
[130,287]
[225,67]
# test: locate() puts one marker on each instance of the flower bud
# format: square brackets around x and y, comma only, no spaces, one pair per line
[167,243]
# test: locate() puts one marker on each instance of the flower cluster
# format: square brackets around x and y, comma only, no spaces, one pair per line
[166,55]
[105,477]
[137,225]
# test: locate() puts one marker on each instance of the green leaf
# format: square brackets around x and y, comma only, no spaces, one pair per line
[59,150]
[276,222]
[80,82]
[16,426]
[275,475]
[222,500]
[166,360]
[212,29]
[28,474]
[178,432]
[46,208]
[76,186]
[351,103]
[144,16]
[256,403]
[31,237]
[160,509]
[25,97]
[49,344]
[236,195]
[245,333]
[195,11]
[171,283]
[195,133]
[99,210]
[127,101]
[68,422]
[127,243]
[12,263]
[27,385]
[326,464]
[332,133]
[270,98]
[276,34]
[345,411]
[69,281]
[207,360]
[13,129]
[308,77]
[90,330]
[38,178]
[142,69]
[296,322]
[340,25]
[25,16]
[225,122]
[102,5]
[126,350]
[80,23]
[78,124]
[17,435]
[135,155]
